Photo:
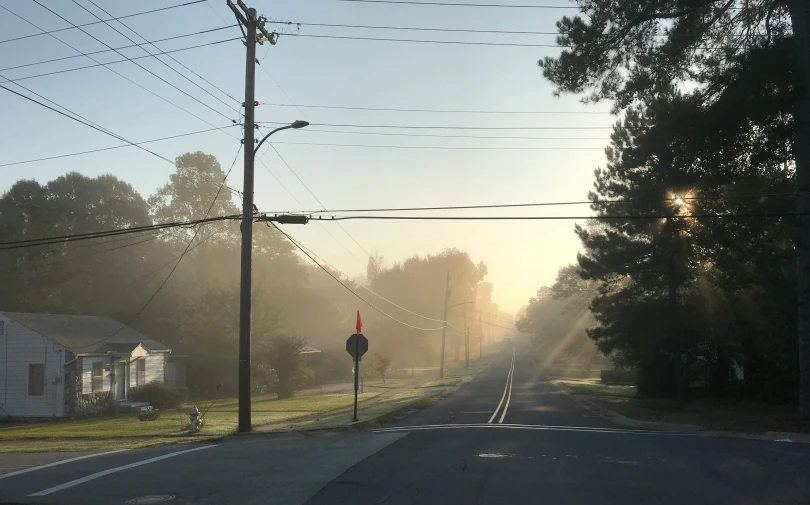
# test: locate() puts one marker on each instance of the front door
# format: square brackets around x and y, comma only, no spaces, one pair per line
[120,381]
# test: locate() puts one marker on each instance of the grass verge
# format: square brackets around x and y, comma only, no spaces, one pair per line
[710,414]
[126,431]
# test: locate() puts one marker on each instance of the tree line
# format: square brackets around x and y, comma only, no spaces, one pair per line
[696,267]
[195,312]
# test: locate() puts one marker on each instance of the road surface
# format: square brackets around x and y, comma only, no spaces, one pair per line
[507,437]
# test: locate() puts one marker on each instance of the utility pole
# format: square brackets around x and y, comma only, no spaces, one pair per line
[444,329]
[480,338]
[466,338]
[251,24]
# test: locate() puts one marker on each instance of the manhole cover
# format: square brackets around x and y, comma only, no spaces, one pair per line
[146,500]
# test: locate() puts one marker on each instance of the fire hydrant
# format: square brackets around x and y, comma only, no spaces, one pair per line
[194,420]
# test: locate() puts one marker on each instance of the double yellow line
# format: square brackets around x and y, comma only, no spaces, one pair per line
[507,393]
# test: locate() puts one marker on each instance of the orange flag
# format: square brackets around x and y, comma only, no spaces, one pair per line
[359,323]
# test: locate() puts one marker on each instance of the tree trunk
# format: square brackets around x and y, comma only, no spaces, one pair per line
[800,19]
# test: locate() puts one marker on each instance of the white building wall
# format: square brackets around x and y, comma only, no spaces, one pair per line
[155,368]
[20,347]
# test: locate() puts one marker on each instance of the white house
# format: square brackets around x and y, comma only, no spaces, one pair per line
[57,365]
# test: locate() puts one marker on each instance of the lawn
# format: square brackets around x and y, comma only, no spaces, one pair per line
[127,431]
[591,387]
[710,414]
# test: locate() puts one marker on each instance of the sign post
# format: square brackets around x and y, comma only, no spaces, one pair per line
[357,346]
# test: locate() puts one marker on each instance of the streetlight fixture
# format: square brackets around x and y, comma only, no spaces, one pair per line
[247,266]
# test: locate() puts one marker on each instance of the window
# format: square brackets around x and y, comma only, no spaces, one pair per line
[2,328]
[36,380]
[140,367]
[98,376]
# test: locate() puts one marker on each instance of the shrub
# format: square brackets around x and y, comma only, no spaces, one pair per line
[148,415]
[159,395]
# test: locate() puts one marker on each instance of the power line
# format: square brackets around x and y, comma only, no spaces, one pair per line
[163,62]
[419,41]
[563,218]
[338,242]
[106,65]
[86,123]
[75,237]
[136,144]
[434,135]
[443,147]
[443,127]
[99,22]
[123,55]
[442,111]
[180,259]
[413,28]
[548,204]
[97,64]
[308,255]
[63,58]
[448,4]
[95,253]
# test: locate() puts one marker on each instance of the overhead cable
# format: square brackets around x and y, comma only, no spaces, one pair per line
[564,218]
[447,127]
[443,147]
[128,59]
[102,130]
[163,62]
[135,144]
[98,64]
[180,259]
[549,204]
[455,4]
[441,111]
[74,56]
[99,22]
[308,255]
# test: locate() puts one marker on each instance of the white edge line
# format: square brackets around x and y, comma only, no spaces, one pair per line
[56,463]
[515,425]
[511,367]
[509,396]
[534,428]
[109,471]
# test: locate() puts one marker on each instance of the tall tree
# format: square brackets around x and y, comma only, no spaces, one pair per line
[630,50]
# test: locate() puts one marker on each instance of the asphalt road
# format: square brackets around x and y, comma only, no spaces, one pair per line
[538,447]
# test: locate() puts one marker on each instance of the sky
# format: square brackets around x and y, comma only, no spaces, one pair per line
[520,255]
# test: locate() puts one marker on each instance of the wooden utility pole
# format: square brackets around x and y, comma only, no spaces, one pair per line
[254,32]
[444,328]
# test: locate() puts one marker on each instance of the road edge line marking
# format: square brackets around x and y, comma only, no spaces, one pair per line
[509,396]
[109,471]
[57,463]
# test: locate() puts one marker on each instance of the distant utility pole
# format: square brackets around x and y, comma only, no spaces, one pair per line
[444,328]
[480,337]
[466,338]
[254,32]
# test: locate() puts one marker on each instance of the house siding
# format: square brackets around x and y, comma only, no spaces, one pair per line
[155,368]
[20,347]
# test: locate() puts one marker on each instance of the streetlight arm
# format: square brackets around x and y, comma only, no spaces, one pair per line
[265,137]
[296,125]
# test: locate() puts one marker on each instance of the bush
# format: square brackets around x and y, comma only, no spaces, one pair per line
[148,415]
[159,395]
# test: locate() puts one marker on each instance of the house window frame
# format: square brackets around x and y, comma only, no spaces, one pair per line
[40,390]
[97,381]
[140,375]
